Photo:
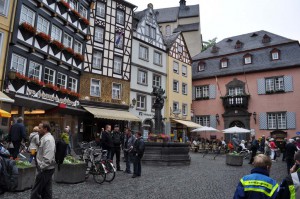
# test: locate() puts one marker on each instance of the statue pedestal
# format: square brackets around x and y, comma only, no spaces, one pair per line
[167,154]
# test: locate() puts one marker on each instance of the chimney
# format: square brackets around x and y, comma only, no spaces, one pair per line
[182,4]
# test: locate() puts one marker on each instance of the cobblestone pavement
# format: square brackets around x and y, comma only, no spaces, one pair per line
[205,178]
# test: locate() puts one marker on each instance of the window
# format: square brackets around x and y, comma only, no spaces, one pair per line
[224,63]
[4,7]
[202,92]
[175,86]
[43,25]
[116,91]
[175,67]
[142,77]
[77,47]
[18,63]
[83,11]
[168,30]
[100,9]
[277,121]
[156,80]
[203,120]
[27,15]
[73,4]
[56,33]
[235,91]
[97,59]
[68,41]
[275,54]
[120,17]
[119,40]
[201,66]
[61,80]
[176,107]
[72,84]
[34,70]
[151,31]
[143,53]
[184,70]
[157,58]
[99,34]
[152,104]
[49,76]
[118,65]
[247,59]
[95,87]
[180,48]
[274,84]
[184,109]
[184,89]
[148,30]
[141,102]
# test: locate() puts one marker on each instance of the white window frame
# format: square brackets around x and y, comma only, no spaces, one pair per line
[275,55]
[202,91]
[73,4]
[73,84]
[274,84]
[203,120]
[95,86]
[43,25]
[97,59]
[4,11]
[184,109]
[184,70]
[77,47]
[118,65]
[143,53]
[120,17]
[116,91]
[142,77]
[176,106]
[56,33]
[68,40]
[201,67]
[277,120]
[51,77]
[180,48]
[21,67]
[176,86]
[141,102]
[61,80]
[248,60]
[99,34]
[100,9]
[175,67]
[157,58]
[156,81]
[34,70]
[184,88]
[224,63]
[83,11]
[25,17]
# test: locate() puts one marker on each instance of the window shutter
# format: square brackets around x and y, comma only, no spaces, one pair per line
[261,86]
[288,83]
[194,93]
[263,121]
[212,91]
[291,120]
[213,121]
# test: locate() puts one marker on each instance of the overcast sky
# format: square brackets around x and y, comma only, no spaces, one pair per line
[226,18]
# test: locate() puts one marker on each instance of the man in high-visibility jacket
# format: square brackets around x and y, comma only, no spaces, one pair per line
[289,187]
[258,185]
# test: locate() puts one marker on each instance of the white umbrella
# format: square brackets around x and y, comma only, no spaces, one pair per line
[236,129]
[205,129]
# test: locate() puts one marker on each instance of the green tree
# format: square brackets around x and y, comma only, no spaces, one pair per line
[208,44]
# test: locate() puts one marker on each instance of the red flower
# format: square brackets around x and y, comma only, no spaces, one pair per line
[28,28]
[69,50]
[44,36]
[52,86]
[76,13]
[65,4]
[57,44]
[64,90]
[79,57]
[36,81]
[84,20]
[74,94]
[21,76]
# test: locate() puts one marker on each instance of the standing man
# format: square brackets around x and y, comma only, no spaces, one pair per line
[236,142]
[16,136]
[262,144]
[254,148]
[258,184]
[117,139]
[45,164]
[138,152]
[128,149]
[106,141]
[290,151]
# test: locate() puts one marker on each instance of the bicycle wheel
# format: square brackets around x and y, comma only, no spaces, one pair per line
[99,174]
[111,172]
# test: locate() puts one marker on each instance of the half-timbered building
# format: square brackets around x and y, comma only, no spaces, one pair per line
[148,68]
[45,61]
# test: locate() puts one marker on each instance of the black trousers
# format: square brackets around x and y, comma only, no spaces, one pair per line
[289,164]
[254,151]
[137,167]
[16,149]
[117,151]
[42,188]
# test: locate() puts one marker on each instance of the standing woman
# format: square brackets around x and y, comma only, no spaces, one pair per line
[33,142]
[273,148]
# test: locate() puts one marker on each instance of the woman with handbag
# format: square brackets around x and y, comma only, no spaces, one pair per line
[33,143]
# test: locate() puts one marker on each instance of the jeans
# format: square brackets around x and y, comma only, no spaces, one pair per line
[42,187]
[137,167]
[273,155]
[128,162]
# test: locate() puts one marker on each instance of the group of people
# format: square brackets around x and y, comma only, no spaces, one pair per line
[133,147]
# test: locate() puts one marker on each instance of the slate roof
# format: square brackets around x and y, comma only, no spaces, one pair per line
[170,39]
[137,16]
[187,27]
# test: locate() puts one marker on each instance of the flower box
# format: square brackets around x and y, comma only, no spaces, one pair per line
[84,23]
[27,30]
[56,46]
[234,159]
[74,15]
[26,175]
[68,53]
[43,39]
[63,6]
[78,58]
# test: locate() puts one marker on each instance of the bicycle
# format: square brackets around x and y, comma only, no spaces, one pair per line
[110,168]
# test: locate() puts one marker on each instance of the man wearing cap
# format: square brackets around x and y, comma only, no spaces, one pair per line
[290,151]
[117,139]
[289,187]
[258,185]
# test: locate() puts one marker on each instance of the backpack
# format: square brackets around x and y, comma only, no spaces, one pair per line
[61,152]
[8,175]
[116,137]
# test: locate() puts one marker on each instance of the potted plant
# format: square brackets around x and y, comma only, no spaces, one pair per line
[78,58]
[56,46]
[63,6]
[84,23]
[27,30]
[68,53]
[71,171]
[43,39]
[26,175]
[234,159]
[74,15]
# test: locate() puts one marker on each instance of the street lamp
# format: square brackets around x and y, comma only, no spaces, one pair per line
[133,103]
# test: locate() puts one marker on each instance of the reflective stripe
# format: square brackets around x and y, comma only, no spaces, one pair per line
[296,184]
[260,185]
[292,192]
[257,183]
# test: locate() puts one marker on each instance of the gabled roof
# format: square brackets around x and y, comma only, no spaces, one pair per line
[170,39]
[137,16]
[187,27]
[250,41]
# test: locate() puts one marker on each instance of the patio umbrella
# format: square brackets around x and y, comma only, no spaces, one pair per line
[4,113]
[236,129]
[205,129]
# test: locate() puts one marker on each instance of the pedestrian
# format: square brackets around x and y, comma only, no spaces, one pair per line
[230,147]
[106,140]
[290,151]
[289,188]
[254,148]
[70,145]
[262,144]
[130,139]
[45,164]
[33,143]
[258,185]
[273,148]
[66,138]
[138,152]
[117,139]
[236,142]
[283,148]
[16,136]
[267,147]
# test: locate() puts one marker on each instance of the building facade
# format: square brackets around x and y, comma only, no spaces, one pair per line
[185,19]
[148,68]
[249,81]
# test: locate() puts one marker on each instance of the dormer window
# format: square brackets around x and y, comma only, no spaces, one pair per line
[275,54]
[248,59]
[266,39]
[180,48]
[224,63]
[214,49]
[201,66]
[238,44]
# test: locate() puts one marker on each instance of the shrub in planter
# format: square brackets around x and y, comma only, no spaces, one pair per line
[234,159]
[26,175]
[27,30]
[56,46]
[43,39]
[68,53]
[78,58]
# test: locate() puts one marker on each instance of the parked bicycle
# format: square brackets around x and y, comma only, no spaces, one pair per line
[110,168]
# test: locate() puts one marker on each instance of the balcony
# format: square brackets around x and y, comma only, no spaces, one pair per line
[236,101]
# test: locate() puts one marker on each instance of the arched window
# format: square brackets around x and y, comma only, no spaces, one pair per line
[168,30]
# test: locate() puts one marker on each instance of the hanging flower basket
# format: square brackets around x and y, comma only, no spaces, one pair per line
[56,46]
[35,84]
[43,39]
[50,2]
[74,15]
[27,30]
[73,96]
[78,58]
[63,6]
[84,23]
[68,53]
[50,88]
[62,92]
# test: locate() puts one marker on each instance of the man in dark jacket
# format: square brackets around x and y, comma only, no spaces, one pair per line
[262,144]
[290,150]
[117,139]
[138,152]
[258,185]
[254,148]
[128,149]
[16,136]
[106,140]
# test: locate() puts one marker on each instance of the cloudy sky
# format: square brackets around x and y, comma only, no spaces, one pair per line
[225,18]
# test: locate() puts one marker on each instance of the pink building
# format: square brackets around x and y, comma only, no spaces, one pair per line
[250,81]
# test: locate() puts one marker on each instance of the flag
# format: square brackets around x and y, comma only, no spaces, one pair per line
[218,86]
[119,38]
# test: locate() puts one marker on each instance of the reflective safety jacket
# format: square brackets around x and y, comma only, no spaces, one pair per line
[257,185]
[290,187]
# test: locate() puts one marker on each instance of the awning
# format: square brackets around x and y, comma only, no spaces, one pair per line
[112,114]
[188,123]
[4,113]
[5,98]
